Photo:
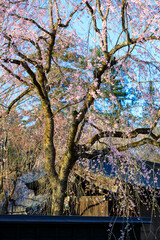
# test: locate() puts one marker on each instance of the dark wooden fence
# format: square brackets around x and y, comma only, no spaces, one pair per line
[20,227]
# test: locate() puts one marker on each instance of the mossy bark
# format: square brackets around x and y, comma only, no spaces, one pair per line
[58,181]
[58,195]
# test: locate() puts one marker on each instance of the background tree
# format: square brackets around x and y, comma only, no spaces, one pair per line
[33,33]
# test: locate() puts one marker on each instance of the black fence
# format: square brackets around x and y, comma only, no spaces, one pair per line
[20,227]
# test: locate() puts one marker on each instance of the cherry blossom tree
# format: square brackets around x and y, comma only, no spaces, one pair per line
[33,34]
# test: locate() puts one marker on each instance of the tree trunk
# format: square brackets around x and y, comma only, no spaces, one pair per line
[57,181]
[58,195]
[50,156]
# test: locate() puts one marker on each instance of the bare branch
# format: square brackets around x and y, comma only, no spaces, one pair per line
[17,99]
[144,61]
[106,15]
[21,55]
[93,18]
[66,105]
[125,28]
[147,26]
[60,24]
[28,70]
[51,15]
[57,11]
[104,34]
[32,21]
[34,44]
[99,9]
[80,131]
[93,125]
[14,75]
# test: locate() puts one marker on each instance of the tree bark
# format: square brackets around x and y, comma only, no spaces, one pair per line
[58,195]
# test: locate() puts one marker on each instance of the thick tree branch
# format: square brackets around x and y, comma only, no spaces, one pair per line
[101,34]
[120,134]
[49,51]
[132,41]
[139,143]
[123,14]
[157,118]
[71,154]
[89,98]
[124,19]
[79,134]
[106,151]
